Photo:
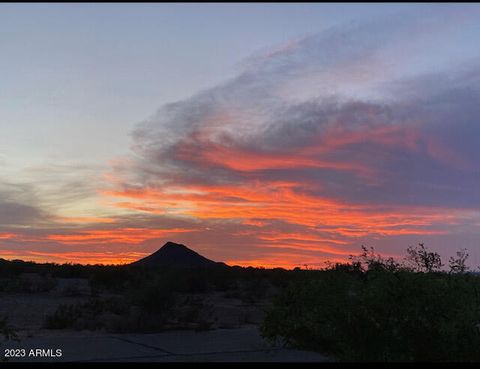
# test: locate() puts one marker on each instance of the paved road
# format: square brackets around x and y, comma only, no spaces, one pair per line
[226,345]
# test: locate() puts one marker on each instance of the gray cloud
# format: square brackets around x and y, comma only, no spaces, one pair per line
[18,205]
[248,113]
[12,213]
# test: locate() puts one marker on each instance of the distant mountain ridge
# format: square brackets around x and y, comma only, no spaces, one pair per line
[178,255]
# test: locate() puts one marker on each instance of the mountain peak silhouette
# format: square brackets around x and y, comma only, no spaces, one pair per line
[178,255]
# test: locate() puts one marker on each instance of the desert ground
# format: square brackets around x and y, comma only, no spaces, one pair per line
[234,335]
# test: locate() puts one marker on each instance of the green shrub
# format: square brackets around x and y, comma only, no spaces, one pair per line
[64,316]
[154,295]
[86,315]
[380,314]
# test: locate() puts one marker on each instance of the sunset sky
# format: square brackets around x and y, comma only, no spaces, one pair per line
[256,134]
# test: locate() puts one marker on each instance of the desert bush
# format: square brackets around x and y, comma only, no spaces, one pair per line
[111,278]
[155,295]
[17,284]
[72,290]
[27,284]
[65,316]
[222,280]
[193,312]
[146,304]
[46,284]
[381,314]
[85,315]
[254,289]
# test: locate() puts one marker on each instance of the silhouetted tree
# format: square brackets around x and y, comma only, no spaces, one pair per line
[369,260]
[424,260]
[458,264]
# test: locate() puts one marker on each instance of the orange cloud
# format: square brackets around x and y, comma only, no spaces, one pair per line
[298,237]
[85,220]
[259,203]
[119,236]
[80,257]
[245,161]
[285,260]
[6,236]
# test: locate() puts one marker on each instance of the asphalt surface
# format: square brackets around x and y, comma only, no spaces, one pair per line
[221,345]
